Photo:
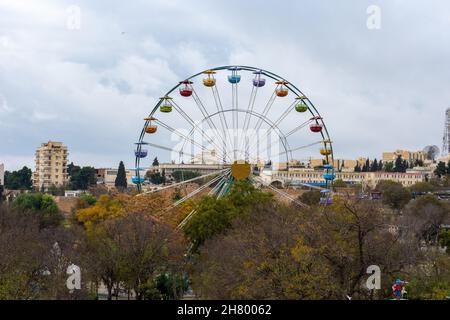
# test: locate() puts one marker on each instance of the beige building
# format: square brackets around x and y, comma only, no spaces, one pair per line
[406,155]
[51,166]
[107,176]
[2,174]
[366,179]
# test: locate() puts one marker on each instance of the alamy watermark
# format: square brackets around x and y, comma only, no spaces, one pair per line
[73,18]
[374,19]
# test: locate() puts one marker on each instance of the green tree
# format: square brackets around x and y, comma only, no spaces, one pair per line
[441,169]
[214,216]
[81,178]
[394,194]
[41,205]
[121,179]
[20,179]
[422,187]
[155,177]
[311,197]
[388,166]
[155,162]
[182,175]
[380,165]
[399,164]
[374,166]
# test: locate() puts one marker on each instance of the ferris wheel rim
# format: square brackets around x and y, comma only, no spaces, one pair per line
[311,108]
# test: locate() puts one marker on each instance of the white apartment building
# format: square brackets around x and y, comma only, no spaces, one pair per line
[366,179]
[2,174]
[51,165]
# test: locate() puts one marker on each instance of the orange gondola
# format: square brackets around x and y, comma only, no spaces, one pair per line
[281,90]
[150,128]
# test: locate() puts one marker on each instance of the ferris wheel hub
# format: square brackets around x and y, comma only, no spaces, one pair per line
[240,170]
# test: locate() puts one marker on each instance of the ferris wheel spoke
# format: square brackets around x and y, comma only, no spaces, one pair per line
[206,115]
[266,110]
[272,127]
[251,105]
[181,152]
[185,181]
[183,136]
[219,185]
[256,142]
[301,126]
[199,129]
[223,119]
[196,191]
[302,147]
[282,193]
[185,220]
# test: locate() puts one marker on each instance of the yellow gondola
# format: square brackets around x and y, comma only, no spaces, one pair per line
[165,106]
[325,152]
[210,81]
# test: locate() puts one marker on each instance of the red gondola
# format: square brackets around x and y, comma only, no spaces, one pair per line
[186,89]
[315,127]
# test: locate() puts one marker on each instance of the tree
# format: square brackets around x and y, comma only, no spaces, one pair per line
[357,167]
[389,167]
[311,197]
[278,253]
[121,179]
[214,216]
[366,166]
[155,162]
[399,164]
[425,216]
[441,170]
[20,179]
[33,260]
[422,187]
[105,208]
[81,178]
[182,175]
[394,194]
[155,177]
[40,205]
[132,250]
[374,167]
[380,165]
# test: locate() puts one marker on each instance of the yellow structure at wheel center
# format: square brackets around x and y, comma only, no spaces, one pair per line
[240,170]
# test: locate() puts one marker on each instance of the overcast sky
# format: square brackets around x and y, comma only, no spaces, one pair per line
[90,85]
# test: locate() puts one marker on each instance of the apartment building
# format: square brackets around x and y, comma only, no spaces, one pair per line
[2,174]
[51,165]
[315,178]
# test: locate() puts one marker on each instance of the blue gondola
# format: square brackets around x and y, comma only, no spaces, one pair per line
[329,176]
[141,153]
[234,77]
[137,180]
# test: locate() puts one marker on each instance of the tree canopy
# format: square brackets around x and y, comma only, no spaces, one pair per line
[20,179]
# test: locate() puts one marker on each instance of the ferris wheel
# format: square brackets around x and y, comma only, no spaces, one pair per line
[239,121]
